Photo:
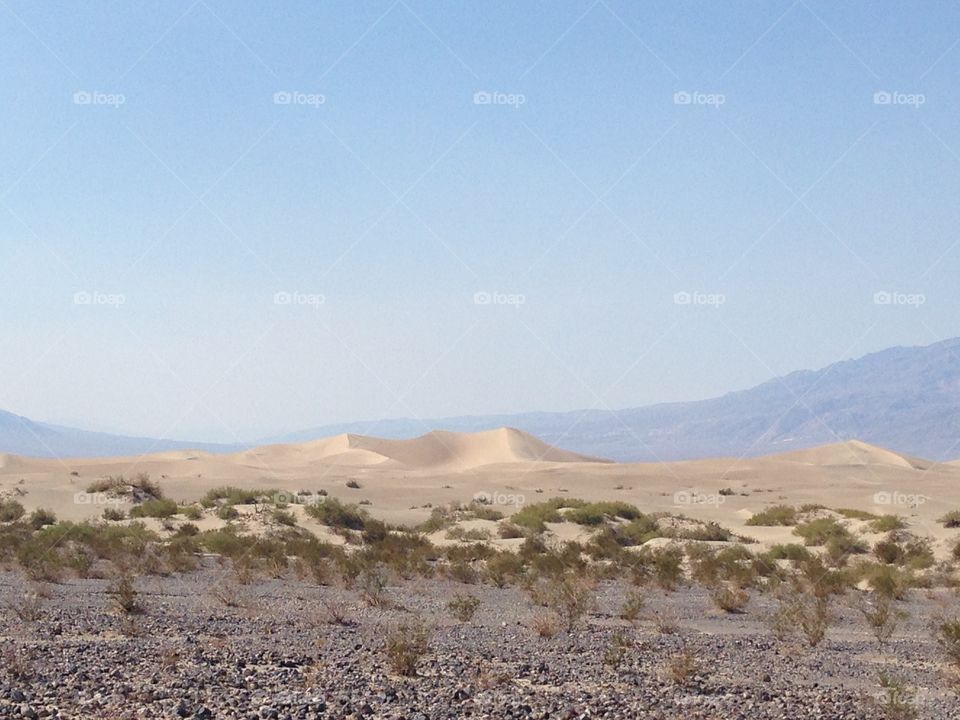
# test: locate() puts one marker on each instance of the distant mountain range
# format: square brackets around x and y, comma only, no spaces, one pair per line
[905,399]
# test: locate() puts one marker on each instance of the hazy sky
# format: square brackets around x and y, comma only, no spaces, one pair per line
[225,220]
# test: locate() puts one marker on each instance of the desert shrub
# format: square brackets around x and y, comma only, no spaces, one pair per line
[889,552]
[464,607]
[840,547]
[776,515]
[509,531]
[800,612]
[372,585]
[283,517]
[465,535]
[597,512]
[192,512]
[896,700]
[230,495]
[951,519]
[10,511]
[502,569]
[353,484]
[28,607]
[682,667]
[545,624]
[668,567]
[333,513]
[887,523]
[821,530]
[124,595]
[667,622]
[482,512]
[947,635]
[789,551]
[114,514]
[534,517]
[156,508]
[41,518]
[405,644]
[140,487]
[700,531]
[571,597]
[227,512]
[730,599]
[636,532]
[111,485]
[632,607]
[887,580]
[616,650]
[880,615]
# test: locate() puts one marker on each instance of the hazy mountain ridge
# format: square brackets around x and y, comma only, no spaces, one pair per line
[903,398]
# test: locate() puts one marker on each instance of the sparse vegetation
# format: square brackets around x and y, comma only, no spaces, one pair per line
[405,644]
[464,607]
[776,515]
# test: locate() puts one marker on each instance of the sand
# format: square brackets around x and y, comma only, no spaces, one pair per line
[400,480]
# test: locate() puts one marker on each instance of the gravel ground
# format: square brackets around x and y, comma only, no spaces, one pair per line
[190,655]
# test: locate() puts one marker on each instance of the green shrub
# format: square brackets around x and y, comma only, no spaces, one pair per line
[887,523]
[598,512]
[820,530]
[774,516]
[464,607]
[157,508]
[230,495]
[114,514]
[333,513]
[41,518]
[10,511]
[852,514]
[951,519]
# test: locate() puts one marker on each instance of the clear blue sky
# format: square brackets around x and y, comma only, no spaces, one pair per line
[587,189]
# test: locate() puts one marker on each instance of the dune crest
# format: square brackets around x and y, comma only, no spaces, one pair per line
[852,452]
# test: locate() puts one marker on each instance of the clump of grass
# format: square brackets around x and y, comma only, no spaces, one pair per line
[616,650]
[632,607]
[156,508]
[682,667]
[114,514]
[353,484]
[534,517]
[881,616]
[28,607]
[777,515]
[545,624]
[821,530]
[193,512]
[231,495]
[283,517]
[896,701]
[405,644]
[853,514]
[140,487]
[10,511]
[464,607]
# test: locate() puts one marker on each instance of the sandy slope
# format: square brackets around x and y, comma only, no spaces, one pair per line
[402,479]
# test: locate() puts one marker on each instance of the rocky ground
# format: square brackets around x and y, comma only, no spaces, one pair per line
[268,650]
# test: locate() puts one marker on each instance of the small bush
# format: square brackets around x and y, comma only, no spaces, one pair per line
[404,645]
[545,624]
[333,513]
[773,516]
[896,701]
[124,594]
[598,512]
[41,518]
[155,508]
[227,512]
[881,617]
[193,512]
[114,514]
[464,607]
[682,667]
[353,484]
[730,599]
[632,607]
[10,511]
[951,519]
[283,517]
[822,530]
[887,523]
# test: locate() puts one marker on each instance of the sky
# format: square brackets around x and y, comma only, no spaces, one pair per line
[221,221]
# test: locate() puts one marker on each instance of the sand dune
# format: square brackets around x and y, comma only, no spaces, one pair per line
[852,452]
[437,450]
